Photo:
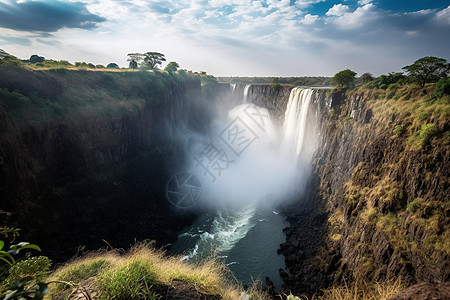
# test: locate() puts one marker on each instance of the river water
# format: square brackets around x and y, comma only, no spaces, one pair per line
[247,240]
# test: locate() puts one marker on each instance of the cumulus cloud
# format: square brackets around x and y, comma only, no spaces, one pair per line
[364,2]
[46,16]
[309,19]
[234,37]
[358,17]
[444,16]
[337,10]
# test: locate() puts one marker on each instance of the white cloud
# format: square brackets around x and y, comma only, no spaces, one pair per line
[444,15]
[309,19]
[337,10]
[360,16]
[364,2]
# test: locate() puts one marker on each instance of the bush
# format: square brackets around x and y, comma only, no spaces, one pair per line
[442,88]
[36,267]
[413,206]
[427,131]
[399,130]
[275,87]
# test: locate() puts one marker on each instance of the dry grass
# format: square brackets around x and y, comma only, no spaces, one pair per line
[142,267]
[362,291]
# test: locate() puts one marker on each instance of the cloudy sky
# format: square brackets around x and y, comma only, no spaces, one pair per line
[233,37]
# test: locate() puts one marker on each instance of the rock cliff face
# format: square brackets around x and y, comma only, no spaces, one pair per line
[95,172]
[377,207]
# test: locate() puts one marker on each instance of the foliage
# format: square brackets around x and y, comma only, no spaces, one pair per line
[399,130]
[297,81]
[133,64]
[275,86]
[172,67]
[112,66]
[152,60]
[24,280]
[387,81]
[427,131]
[428,69]
[442,88]
[366,77]
[36,267]
[345,78]
[36,59]
[413,205]
[84,65]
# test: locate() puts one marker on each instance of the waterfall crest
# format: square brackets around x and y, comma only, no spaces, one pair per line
[247,87]
[295,122]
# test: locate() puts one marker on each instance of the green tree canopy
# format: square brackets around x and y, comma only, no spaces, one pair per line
[172,67]
[36,59]
[135,60]
[133,64]
[366,77]
[345,78]
[152,60]
[112,66]
[428,69]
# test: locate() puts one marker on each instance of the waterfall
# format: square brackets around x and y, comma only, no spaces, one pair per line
[247,87]
[233,88]
[295,122]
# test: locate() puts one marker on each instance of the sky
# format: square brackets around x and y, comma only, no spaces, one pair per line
[233,37]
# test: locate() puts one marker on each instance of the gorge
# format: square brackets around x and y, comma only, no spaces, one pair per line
[86,156]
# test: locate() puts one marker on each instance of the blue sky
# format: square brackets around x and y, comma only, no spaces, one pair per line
[233,37]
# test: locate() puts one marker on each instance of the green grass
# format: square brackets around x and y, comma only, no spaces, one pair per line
[134,280]
[136,274]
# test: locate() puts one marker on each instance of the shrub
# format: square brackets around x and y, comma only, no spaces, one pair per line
[427,131]
[413,206]
[424,115]
[442,88]
[35,267]
[275,87]
[399,130]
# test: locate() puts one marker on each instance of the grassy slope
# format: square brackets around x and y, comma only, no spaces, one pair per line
[141,274]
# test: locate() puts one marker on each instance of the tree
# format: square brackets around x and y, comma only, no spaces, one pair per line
[172,67]
[366,77]
[135,60]
[345,78]
[152,60]
[133,64]
[112,66]
[36,59]
[428,69]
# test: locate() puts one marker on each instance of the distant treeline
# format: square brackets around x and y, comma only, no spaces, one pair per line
[297,81]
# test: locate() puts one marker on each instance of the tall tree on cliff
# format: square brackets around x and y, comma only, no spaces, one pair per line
[152,60]
[428,69]
[135,59]
[344,78]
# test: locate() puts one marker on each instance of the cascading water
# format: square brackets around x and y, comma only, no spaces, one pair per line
[247,87]
[244,228]
[294,126]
